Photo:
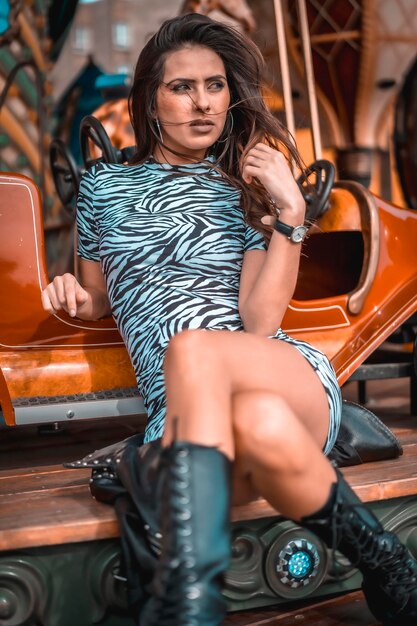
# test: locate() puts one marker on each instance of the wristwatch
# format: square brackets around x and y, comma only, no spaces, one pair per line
[296,234]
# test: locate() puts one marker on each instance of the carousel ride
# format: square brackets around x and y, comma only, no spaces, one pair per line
[357,287]
[358,278]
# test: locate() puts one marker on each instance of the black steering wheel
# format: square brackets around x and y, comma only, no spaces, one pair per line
[316,183]
[91,129]
[66,174]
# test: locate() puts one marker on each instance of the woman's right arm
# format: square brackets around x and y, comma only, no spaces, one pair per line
[88,300]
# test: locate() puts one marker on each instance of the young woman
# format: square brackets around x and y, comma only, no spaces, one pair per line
[174,245]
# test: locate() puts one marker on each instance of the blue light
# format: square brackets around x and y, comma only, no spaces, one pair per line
[4,15]
[300,564]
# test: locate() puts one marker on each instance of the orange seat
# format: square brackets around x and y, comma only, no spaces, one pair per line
[357,284]
[358,277]
[53,367]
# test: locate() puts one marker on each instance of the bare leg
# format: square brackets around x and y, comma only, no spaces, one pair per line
[229,389]
[277,457]
[261,403]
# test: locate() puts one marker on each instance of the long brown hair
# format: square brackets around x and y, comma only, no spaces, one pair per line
[252,121]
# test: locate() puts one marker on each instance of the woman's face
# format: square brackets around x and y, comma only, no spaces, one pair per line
[191,103]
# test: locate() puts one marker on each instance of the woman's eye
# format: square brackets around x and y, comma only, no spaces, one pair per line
[216,86]
[180,87]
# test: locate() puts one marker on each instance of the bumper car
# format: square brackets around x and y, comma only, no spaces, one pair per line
[357,285]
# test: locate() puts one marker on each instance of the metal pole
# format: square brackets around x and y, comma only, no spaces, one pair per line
[284,67]
[311,91]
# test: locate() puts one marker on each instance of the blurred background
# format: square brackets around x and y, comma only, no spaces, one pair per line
[63,59]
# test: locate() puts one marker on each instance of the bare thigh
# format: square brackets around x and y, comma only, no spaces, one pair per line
[220,364]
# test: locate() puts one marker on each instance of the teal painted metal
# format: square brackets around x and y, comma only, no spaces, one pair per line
[78,583]
[23,81]
[4,16]
[41,5]
[65,585]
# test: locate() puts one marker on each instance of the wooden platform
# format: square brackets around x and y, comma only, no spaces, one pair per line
[48,505]
[346,610]
[43,504]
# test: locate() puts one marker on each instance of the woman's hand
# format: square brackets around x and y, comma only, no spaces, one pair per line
[270,167]
[64,292]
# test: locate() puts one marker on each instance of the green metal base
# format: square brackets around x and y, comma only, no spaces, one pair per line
[273,562]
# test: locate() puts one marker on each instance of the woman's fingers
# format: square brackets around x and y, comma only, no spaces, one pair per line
[67,293]
[64,292]
[81,296]
[59,289]
[270,167]
[51,298]
[46,301]
[268,220]
[262,147]
[250,172]
[252,159]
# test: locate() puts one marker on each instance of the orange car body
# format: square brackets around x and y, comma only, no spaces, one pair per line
[357,284]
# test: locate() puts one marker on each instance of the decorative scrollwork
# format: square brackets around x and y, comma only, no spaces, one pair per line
[274,561]
[107,585]
[402,520]
[244,573]
[23,594]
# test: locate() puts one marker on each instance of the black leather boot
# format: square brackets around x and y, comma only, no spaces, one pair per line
[389,571]
[195,550]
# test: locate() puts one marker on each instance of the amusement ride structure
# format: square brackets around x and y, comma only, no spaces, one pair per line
[350,68]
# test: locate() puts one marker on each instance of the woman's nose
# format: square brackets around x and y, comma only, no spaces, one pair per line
[202,102]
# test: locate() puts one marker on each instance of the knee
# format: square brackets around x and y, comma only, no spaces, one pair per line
[185,348]
[267,429]
[260,417]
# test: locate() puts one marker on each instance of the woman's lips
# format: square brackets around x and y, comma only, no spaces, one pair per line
[202,127]
[202,123]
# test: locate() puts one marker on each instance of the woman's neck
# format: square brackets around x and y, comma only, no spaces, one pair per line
[163,155]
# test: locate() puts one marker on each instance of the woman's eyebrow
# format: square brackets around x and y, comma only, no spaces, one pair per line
[192,80]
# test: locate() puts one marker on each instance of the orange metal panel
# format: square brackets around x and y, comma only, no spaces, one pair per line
[49,355]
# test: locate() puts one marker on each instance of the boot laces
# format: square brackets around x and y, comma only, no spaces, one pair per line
[176,602]
[382,555]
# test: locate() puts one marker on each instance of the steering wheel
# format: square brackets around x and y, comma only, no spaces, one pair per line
[316,183]
[66,174]
[91,129]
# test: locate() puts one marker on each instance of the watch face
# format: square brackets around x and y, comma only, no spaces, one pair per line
[298,234]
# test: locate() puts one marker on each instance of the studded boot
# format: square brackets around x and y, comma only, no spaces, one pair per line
[389,571]
[195,550]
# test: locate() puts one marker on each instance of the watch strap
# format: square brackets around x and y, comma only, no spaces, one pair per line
[285,229]
[296,234]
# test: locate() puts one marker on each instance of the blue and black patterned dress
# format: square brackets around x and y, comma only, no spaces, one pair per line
[170,240]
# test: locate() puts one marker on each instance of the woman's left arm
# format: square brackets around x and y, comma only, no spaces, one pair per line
[268,278]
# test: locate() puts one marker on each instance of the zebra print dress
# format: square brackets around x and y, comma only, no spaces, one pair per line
[170,240]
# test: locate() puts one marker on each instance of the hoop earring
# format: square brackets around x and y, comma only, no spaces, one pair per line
[228,131]
[158,128]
